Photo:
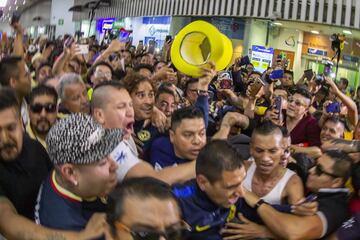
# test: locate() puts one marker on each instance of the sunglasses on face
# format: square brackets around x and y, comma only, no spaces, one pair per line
[37,108]
[319,171]
[297,102]
[149,234]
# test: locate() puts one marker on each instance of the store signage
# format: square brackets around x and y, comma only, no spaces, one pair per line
[261,57]
[103,24]
[318,52]
[118,24]
[351,58]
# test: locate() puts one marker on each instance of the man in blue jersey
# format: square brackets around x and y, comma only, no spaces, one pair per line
[211,200]
[84,173]
[187,137]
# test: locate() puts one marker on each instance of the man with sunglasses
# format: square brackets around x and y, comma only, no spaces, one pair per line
[327,180]
[145,209]
[42,112]
[23,166]
[303,127]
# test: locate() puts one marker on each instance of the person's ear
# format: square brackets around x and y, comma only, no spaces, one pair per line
[337,182]
[202,181]
[12,82]
[172,136]
[69,173]
[99,116]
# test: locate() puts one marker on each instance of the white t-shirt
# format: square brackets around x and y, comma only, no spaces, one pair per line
[124,156]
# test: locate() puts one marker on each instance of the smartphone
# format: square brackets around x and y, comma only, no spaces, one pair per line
[277,74]
[309,74]
[151,48]
[84,49]
[15,17]
[328,68]
[225,80]
[256,86]
[278,105]
[123,36]
[168,38]
[333,107]
[310,198]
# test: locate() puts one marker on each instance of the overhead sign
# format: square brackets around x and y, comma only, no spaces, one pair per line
[261,57]
[318,52]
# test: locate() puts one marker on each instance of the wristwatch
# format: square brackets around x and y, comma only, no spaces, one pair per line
[259,203]
[202,92]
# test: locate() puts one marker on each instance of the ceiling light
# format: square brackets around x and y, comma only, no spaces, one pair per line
[278,23]
[347,32]
[3,3]
[314,32]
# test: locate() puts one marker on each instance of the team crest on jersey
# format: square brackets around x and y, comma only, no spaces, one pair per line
[144,135]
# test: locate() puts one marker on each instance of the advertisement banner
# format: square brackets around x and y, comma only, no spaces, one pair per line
[261,57]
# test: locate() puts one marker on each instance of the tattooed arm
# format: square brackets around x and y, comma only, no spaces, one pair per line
[15,226]
[349,146]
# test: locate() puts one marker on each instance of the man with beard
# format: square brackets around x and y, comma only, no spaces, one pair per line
[23,166]
[42,112]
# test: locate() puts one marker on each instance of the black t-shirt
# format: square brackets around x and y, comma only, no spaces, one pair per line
[333,206]
[20,179]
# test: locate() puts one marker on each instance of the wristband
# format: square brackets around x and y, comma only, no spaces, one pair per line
[259,203]
[202,92]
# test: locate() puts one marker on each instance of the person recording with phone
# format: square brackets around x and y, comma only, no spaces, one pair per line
[339,105]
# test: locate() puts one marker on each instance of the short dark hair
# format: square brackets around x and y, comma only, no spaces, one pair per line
[290,73]
[190,112]
[190,81]
[41,90]
[303,91]
[342,163]
[142,188]
[163,90]
[254,72]
[336,120]
[100,93]
[145,66]
[266,128]
[8,99]
[9,69]
[46,64]
[217,156]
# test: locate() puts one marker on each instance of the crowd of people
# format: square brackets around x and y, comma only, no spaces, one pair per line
[119,144]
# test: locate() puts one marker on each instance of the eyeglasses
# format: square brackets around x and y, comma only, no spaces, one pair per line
[103,74]
[149,234]
[37,108]
[297,102]
[319,171]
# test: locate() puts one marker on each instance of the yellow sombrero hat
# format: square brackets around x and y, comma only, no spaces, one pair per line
[197,43]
